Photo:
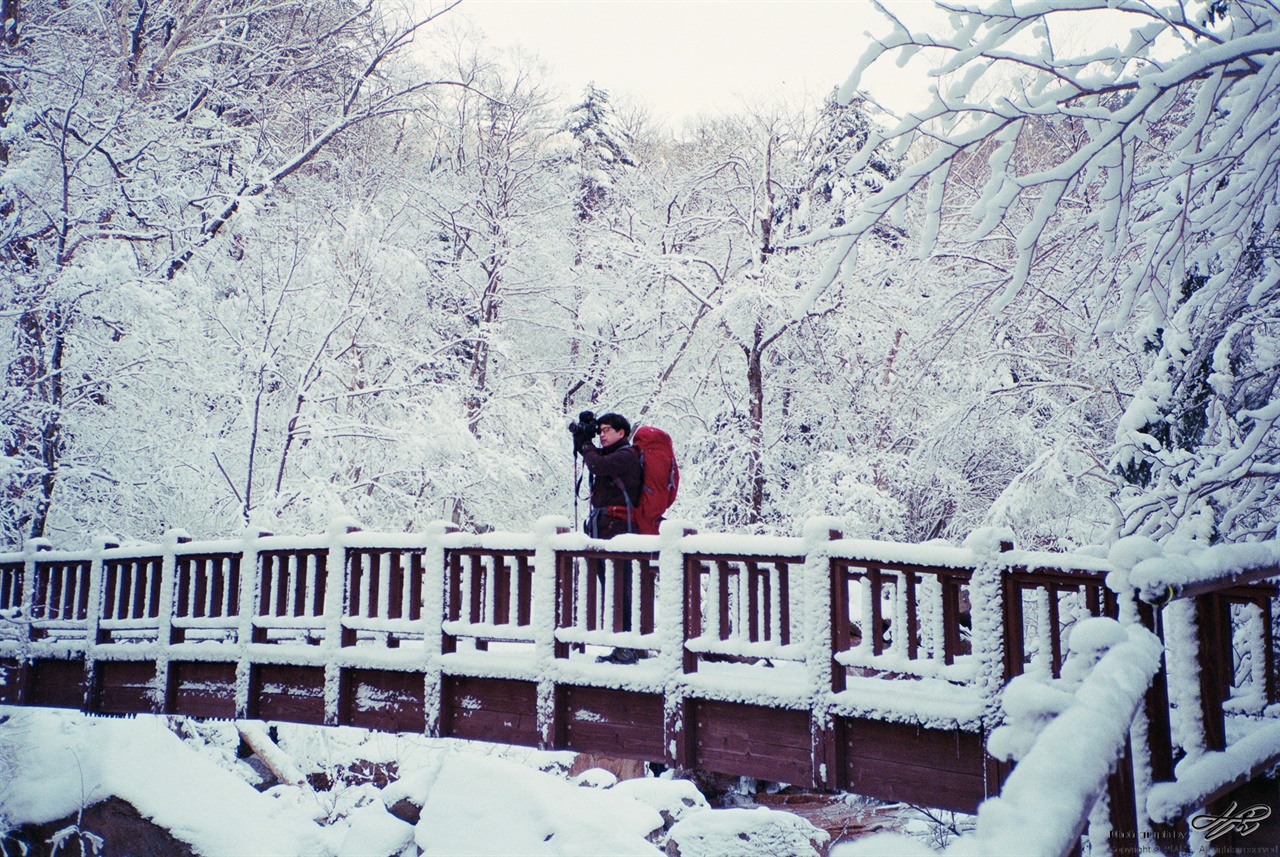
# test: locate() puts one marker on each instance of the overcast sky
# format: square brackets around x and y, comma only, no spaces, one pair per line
[682,57]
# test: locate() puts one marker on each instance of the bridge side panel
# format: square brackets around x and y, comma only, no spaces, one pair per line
[123,687]
[57,683]
[753,740]
[612,722]
[13,674]
[289,693]
[202,689]
[901,762]
[504,711]
[383,700]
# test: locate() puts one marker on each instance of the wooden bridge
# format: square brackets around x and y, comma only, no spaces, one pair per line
[834,663]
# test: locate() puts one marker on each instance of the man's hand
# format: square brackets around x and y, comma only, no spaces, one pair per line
[581,439]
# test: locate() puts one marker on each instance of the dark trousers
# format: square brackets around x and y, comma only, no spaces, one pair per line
[602,526]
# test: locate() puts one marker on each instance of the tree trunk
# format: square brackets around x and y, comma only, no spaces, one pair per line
[42,338]
[755,421]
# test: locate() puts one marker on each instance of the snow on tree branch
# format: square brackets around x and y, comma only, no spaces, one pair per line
[1163,180]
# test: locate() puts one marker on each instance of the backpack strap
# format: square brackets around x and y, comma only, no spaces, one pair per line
[626,497]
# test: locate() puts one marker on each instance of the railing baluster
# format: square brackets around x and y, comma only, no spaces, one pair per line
[416,575]
[377,604]
[719,619]
[589,581]
[912,628]
[875,577]
[138,571]
[309,586]
[648,595]
[491,590]
[1053,592]
[784,604]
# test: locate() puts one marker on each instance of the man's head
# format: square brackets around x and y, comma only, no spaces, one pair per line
[613,428]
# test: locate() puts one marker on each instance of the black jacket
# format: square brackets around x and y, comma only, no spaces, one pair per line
[609,465]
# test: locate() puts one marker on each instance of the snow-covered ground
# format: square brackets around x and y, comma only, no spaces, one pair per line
[475,799]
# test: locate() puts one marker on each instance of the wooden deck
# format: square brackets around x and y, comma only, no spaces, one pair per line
[820,661]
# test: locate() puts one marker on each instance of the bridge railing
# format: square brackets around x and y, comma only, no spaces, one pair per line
[744,607]
[206,595]
[488,596]
[891,614]
[605,597]
[290,586]
[896,616]
[1215,611]
[814,627]
[1042,605]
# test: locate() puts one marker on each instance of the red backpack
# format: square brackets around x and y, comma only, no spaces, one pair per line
[661,477]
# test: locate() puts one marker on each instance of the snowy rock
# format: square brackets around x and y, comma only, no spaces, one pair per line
[62,760]
[622,769]
[376,833]
[113,823]
[596,778]
[404,798]
[481,805]
[673,799]
[756,832]
[881,844]
[405,810]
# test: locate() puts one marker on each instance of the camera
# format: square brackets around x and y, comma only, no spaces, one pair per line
[585,428]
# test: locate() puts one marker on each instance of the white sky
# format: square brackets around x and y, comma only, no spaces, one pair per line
[683,57]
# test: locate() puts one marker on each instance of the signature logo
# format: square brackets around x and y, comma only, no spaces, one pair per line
[1246,821]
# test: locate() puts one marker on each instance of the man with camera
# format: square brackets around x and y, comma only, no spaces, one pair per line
[616,478]
[616,474]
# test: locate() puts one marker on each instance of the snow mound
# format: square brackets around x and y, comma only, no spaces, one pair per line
[479,805]
[64,761]
[759,832]
[673,799]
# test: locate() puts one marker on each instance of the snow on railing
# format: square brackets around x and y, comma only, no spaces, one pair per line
[1071,734]
[1068,735]
[873,610]
[1216,608]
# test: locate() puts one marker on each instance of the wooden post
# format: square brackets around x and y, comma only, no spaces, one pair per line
[1123,805]
[875,579]
[166,634]
[550,606]
[840,637]
[1269,657]
[692,613]
[1213,629]
[1159,733]
[253,595]
[434,587]
[818,584]
[678,608]
[1014,644]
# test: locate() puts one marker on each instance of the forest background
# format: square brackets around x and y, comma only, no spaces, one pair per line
[266,264]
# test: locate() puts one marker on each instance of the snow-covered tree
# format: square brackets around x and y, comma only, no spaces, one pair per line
[132,136]
[1171,182]
[602,148]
